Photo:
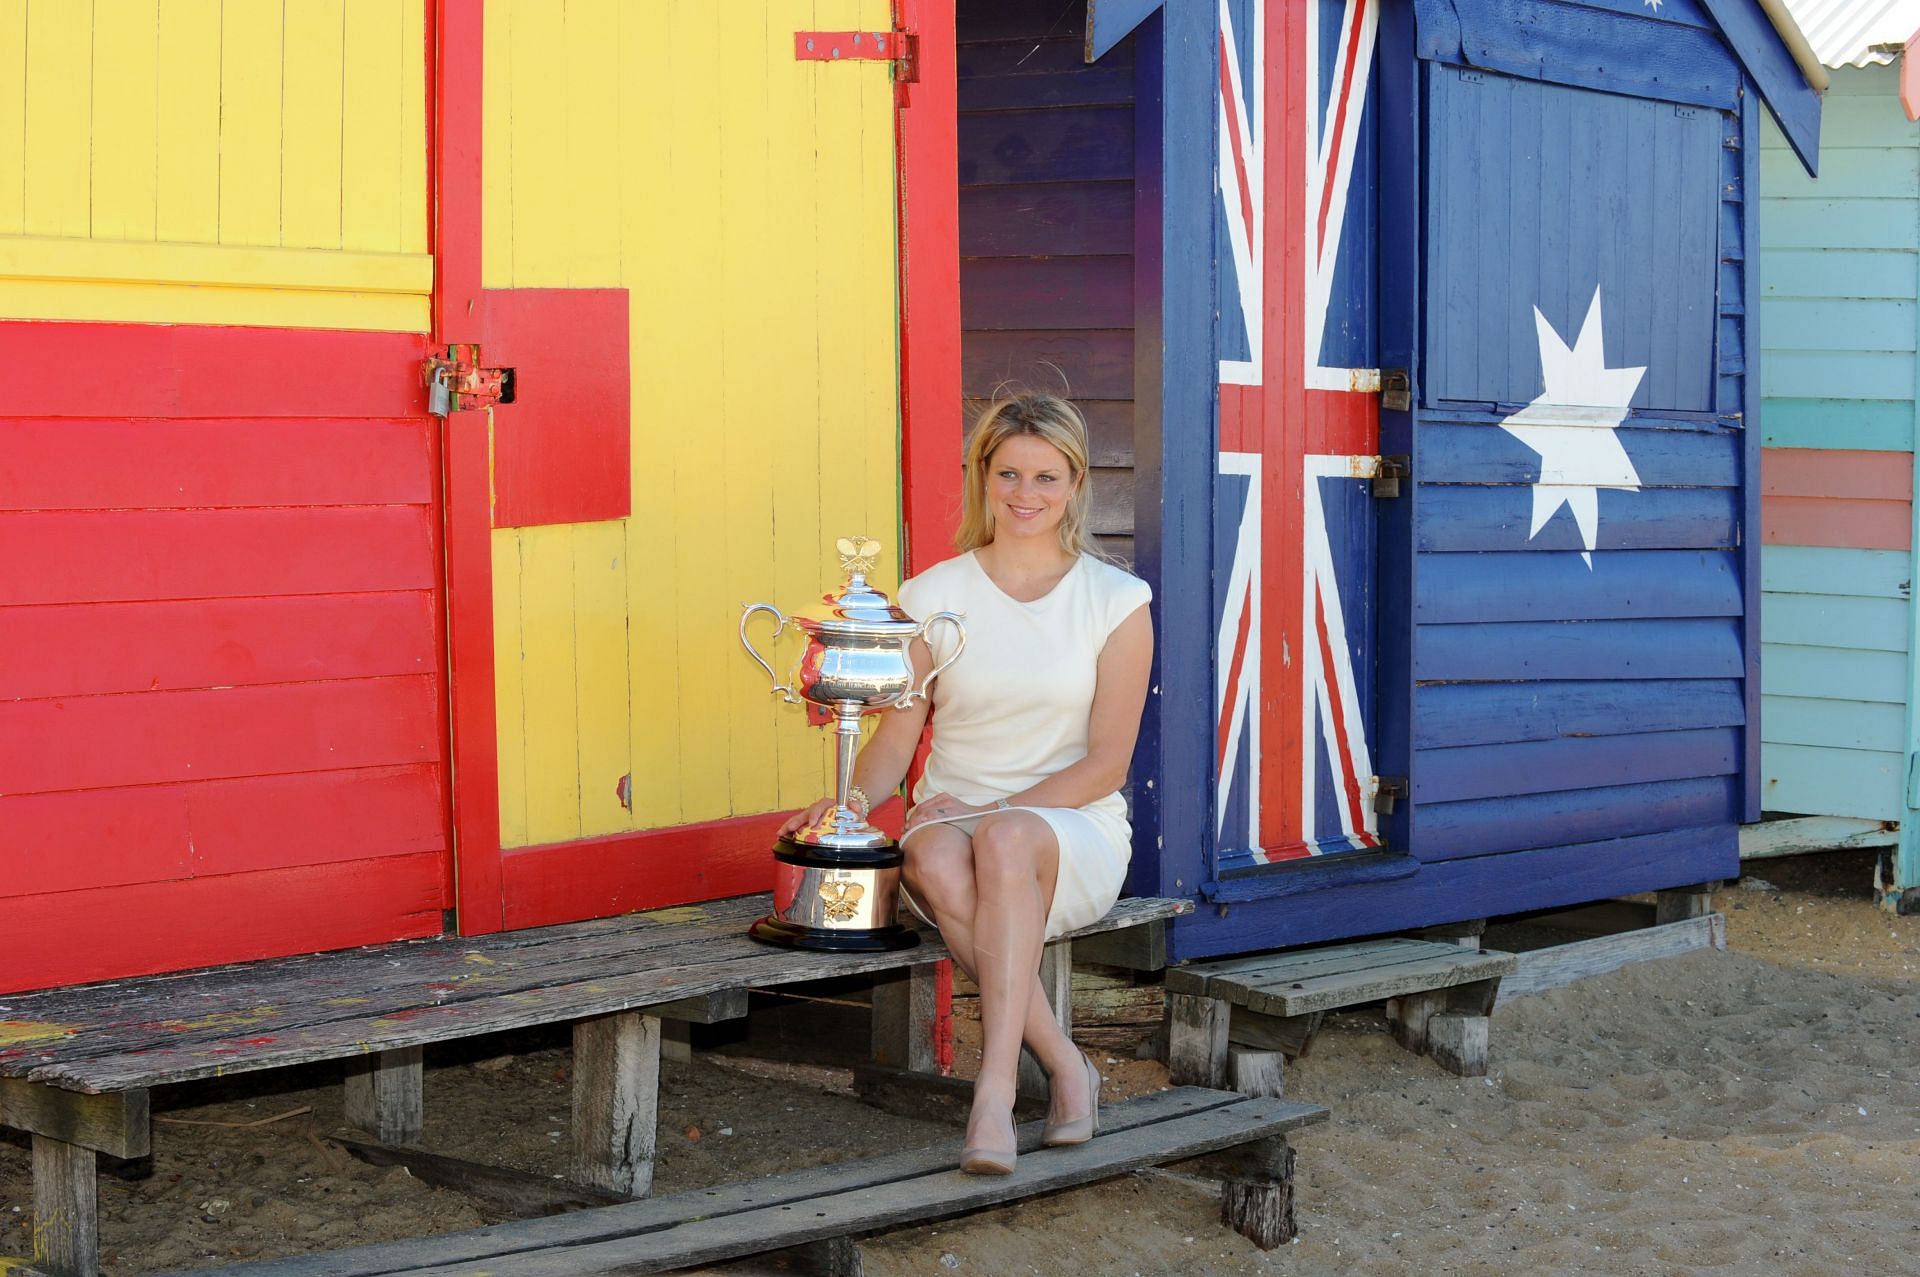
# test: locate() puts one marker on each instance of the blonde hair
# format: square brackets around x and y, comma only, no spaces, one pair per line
[1050,419]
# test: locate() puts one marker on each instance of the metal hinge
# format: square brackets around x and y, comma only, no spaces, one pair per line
[457,383]
[1387,792]
[898,47]
[1396,390]
[1388,472]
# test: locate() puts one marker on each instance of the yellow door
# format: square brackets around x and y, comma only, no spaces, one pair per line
[745,200]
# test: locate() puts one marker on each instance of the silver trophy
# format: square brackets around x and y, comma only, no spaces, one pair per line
[837,882]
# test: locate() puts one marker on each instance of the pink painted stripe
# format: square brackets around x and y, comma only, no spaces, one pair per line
[1836,473]
[1826,521]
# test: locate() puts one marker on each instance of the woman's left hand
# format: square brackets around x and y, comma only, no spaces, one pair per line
[941,807]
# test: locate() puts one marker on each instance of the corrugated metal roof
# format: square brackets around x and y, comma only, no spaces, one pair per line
[1855,32]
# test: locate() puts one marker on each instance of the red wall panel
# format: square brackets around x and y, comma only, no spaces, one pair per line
[79,936]
[90,648]
[82,839]
[105,464]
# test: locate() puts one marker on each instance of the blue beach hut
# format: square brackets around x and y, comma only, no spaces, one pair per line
[1419,330]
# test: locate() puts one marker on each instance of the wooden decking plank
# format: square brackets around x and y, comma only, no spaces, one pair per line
[356,985]
[907,1201]
[1355,987]
[652,1214]
[726,962]
[1313,966]
[363,988]
[1197,977]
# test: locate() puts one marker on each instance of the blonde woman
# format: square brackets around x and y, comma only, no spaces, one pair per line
[1017,831]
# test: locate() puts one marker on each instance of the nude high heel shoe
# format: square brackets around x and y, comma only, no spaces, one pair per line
[982,1159]
[1077,1130]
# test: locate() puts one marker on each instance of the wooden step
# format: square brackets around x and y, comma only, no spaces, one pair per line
[781,1211]
[1305,981]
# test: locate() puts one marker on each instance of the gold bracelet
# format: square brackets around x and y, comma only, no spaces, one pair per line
[857,794]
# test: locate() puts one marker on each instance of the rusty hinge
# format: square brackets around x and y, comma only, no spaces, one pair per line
[1388,791]
[457,383]
[1388,472]
[897,47]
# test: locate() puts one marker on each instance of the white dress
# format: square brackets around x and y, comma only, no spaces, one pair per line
[1013,710]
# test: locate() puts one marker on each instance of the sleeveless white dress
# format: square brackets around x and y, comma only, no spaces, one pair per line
[1013,710]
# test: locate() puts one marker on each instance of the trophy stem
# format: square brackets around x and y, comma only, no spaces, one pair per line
[847,736]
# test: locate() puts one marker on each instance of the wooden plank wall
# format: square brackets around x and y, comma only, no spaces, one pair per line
[746,201]
[1556,701]
[174,161]
[1046,230]
[1840,273]
[221,673]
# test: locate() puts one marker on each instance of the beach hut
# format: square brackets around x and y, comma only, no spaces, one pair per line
[1469,554]
[406,396]
[1838,260]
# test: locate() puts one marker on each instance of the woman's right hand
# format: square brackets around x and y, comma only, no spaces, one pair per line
[806,817]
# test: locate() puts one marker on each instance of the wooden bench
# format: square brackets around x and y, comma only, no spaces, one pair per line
[79,1063]
[835,1204]
[1234,1020]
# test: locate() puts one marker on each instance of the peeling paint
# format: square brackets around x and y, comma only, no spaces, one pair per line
[15,1032]
[222,1020]
[679,913]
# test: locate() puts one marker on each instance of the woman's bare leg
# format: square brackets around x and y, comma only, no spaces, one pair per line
[940,874]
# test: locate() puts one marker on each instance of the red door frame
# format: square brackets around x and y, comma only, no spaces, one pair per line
[500,889]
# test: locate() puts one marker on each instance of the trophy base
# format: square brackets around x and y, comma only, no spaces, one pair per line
[793,935]
[835,900]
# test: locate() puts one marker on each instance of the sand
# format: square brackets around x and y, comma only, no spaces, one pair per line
[1752,1111]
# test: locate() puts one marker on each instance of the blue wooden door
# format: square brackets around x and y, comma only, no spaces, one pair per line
[1578,657]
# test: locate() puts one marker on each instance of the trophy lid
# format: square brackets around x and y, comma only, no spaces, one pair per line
[858,602]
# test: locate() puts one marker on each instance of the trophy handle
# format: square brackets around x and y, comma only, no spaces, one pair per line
[779,689]
[919,693]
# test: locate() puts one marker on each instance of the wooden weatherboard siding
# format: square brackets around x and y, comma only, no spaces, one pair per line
[1571,689]
[142,175]
[222,697]
[223,703]
[745,201]
[1046,220]
[1840,276]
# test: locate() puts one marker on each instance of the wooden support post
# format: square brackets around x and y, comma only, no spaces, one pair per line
[1407,1016]
[1056,977]
[616,1100]
[1197,1039]
[386,1095]
[906,1006]
[1253,1072]
[1681,903]
[1256,1191]
[1289,1034]
[66,1212]
[1457,1041]
[676,1041]
[1465,934]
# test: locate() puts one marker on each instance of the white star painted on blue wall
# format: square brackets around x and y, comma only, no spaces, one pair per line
[1572,426]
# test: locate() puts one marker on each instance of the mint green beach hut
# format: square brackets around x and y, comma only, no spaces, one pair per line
[1840,332]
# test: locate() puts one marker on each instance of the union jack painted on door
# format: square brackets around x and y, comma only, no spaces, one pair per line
[1294,538]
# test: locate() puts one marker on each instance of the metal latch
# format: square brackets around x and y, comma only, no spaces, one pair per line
[1388,472]
[1396,390]
[897,47]
[1387,792]
[457,383]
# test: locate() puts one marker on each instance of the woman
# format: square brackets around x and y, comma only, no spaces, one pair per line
[1018,832]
